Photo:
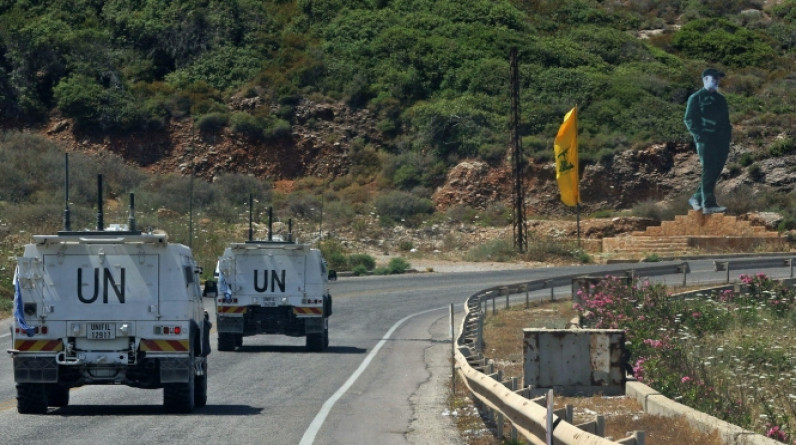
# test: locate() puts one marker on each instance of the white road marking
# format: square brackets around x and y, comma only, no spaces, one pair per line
[317,422]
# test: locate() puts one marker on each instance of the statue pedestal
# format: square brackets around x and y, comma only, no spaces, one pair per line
[697,233]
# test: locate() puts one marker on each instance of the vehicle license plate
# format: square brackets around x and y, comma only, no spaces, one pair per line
[269,302]
[101,331]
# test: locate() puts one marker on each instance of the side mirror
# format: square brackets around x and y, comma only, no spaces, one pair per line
[211,289]
[332,275]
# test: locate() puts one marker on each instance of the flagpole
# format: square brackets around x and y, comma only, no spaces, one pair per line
[577,212]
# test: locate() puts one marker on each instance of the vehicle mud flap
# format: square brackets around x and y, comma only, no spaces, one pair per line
[317,334]
[179,393]
[200,384]
[35,369]
[179,397]
[176,370]
[206,338]
[327,305]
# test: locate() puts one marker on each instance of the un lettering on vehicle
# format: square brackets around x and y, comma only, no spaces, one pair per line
[109,280]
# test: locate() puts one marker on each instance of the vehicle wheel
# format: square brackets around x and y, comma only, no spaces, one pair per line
[179,397]
[31,398]
[238,340]
[200,388]
[226,341]
[325,338]
[57,395]
[315,342]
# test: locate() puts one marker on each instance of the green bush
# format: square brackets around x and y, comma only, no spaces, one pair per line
[397,206]
[363,260]
[359,270]
[248,126]
[722,41]
[782,147]
[500,250]
[334,254]
[397,265]
[212,122]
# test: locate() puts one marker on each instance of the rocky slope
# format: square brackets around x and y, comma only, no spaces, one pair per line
[322,137]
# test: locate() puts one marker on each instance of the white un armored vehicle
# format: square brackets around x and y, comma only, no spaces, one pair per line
[272,287]
[108,308]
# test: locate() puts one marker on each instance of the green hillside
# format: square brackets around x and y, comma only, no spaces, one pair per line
[435,72]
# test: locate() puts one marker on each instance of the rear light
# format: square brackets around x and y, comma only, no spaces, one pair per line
[312,300]
[168,330]
[228,300]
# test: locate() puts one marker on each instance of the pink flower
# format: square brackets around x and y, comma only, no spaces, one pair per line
[685,379]
[776,433]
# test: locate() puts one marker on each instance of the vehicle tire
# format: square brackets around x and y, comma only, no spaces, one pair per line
[200,388]
[31,398]
[57,395]
[179,397]
[325,338]
[238,340]
[315,342]
[226,341]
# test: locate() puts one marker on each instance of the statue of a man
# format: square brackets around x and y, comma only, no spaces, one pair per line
[708,120]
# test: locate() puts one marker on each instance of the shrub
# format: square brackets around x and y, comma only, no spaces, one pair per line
[686,348]
[397,206]
[405,245]
[212,122]
[334,254]
[397,265]
[500,250]
[247,125]
[722,41]
[782,147]
[359,270]
[363,260]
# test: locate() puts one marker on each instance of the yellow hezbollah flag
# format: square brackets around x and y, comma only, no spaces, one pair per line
[566,152]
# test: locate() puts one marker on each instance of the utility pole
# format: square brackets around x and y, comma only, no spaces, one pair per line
[520,240]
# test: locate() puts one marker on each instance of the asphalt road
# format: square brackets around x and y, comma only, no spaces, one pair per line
[382,380]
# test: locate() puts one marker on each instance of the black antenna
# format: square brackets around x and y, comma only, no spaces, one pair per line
[100,223]
[67,213]
[270,223]
[251,209]
[131,218]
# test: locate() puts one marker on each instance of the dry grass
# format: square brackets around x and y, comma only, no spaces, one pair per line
[623,415]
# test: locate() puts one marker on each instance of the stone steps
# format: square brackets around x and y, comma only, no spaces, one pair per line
[694,233]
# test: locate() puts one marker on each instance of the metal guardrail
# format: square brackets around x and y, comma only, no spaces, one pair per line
[527,416]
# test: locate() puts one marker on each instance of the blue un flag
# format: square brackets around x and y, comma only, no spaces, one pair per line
[18,312]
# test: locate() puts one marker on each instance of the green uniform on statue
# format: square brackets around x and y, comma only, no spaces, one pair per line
[708,120]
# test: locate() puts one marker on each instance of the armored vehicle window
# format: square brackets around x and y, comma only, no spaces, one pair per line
[187,271]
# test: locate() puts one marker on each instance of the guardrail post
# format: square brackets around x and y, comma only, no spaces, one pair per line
[507,301]
[790,263]
[514,434]
[528,293]
[480,340]
[685,274]
[453,354]
[727,264]
[494,306]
